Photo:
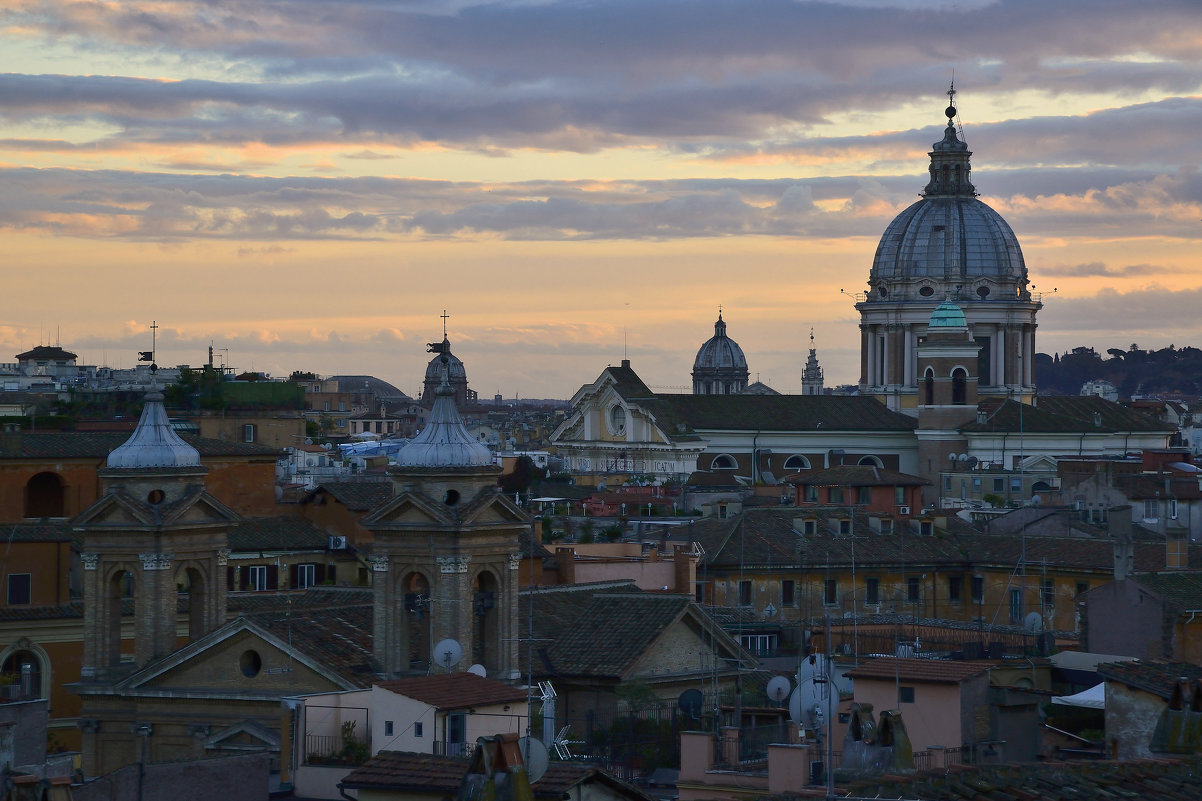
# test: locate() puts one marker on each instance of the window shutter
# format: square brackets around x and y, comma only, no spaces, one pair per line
[273,577]
[243,577]
[331,573]
[319,573]
[229,577]
[293,576]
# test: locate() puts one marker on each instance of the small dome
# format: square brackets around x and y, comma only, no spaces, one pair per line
[948,315]
[445,441]
[720,351]
[434,370]
[154,442]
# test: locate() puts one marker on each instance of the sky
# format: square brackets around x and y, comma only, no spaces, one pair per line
[308,185]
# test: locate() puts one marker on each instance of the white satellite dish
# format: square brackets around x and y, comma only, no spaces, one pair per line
[1033,622]
[447,653]
[535,756]
[778,688]
[478,670]
[814,666]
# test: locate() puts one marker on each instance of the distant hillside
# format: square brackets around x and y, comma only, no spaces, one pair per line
[1170,370]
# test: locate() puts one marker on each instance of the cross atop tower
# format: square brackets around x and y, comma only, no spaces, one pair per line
[444,317]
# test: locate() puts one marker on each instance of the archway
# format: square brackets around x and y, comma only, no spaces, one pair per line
[120,587]
[45,496]
[485,630]
[928,387]
[24,669]
[959,386]
[192,586]
[417,621]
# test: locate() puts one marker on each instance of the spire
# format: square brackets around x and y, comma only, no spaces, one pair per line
[154,442]
[950,159]
[445,441]
[812,377]
[720,326]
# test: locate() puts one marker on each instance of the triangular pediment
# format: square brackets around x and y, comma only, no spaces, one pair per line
[494,508]
[242,736]
[238,657]
[407,509]
[118,508]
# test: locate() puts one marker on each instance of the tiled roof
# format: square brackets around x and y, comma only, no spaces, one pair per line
[777,413]
[1064,414]
[454,690]
[98,445]
[338,636]
[1182,589]
[615,629]
[1155,676]
[554,613]
[1159,779]
[929,671]
[717,479]
[855,476]
[767,539]
[280,533]
[358,496]
[252,603]
[434,775]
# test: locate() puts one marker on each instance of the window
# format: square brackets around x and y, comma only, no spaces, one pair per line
[388,728]
[325,406]
[811,527]
[976,484]
[248,432]
[1047,592]
[456,734]
[864,495]
[721,511]
[928,386]
[926,528]
[845,526]
[905,695]
[1173,508]
[305,576]
[999,485]
[912,589]
[872,591]
[886,525]
[759,644]
[959,386]
[744,593]
[978,589]
[1082,587]
[417,729]
[947,483]
[1151,509]
[699,593]
[1016,483]
[341,423]
[723,462]
[1016,605]
[787,593]
[830,595]
[899,496]
[342,406]
[811,493]
[257,577]
[797,462]
[954,588]
[834,495]
[20,589]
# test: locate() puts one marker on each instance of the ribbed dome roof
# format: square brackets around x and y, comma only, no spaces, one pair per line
[445,441]
[720,351]
[949,234]
[154,442]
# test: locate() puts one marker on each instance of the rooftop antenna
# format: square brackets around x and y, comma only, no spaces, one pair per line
[952,111]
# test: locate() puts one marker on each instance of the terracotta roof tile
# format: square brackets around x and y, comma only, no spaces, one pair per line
[929,671]
[98,445]
[1155,676]
[454,690]
[358,496]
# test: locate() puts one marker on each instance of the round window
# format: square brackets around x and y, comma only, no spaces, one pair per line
[617,420]
[926,291]
[251,663]
[155,497]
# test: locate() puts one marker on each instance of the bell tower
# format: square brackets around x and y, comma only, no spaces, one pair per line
[153,542]
[446,553]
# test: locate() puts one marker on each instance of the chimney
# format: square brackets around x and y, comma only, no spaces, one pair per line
[1119,525]
[565,561]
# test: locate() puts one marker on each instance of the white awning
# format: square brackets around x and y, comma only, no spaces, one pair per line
[1093,698]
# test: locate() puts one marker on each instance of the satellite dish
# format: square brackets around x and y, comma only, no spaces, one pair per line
[478,670]
[807,704]
[447,653]
[778,688]
[690,703]
[1033,622]
[308,440]
[535,757]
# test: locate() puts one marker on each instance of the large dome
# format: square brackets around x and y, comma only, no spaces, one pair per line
[949,238]
[720,351]
[720,367]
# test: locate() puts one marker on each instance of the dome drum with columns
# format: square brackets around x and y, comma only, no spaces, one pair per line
[947,246]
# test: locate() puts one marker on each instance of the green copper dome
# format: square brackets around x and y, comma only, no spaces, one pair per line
[947,315]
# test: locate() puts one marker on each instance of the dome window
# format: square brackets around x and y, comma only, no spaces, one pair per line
[983,292]
[926,291]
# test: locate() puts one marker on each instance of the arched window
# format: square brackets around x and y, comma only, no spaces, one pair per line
[486,645]
[23,670]
[928,387]
[44,496]
[870,461]
[723,461]
[797,462]
[959,386]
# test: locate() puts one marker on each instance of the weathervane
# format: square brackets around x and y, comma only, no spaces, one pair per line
[148,355]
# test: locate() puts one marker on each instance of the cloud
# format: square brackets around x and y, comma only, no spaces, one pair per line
[1097,269]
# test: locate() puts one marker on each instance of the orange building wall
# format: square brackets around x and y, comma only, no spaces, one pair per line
[79,475]
[49,565]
